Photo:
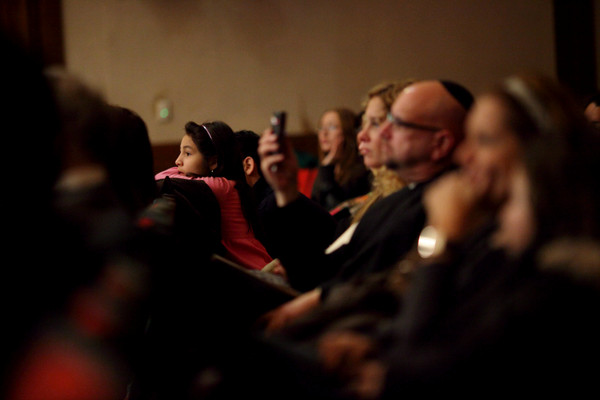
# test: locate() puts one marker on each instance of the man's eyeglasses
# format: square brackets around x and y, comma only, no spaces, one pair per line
[399,123]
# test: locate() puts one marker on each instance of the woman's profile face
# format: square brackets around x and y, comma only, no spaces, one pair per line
[331,135]
[490,149]
[190,161]
[369,139]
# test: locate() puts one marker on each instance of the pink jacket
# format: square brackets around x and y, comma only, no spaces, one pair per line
[236,235]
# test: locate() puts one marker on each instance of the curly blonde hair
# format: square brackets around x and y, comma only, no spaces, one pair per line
[387,91]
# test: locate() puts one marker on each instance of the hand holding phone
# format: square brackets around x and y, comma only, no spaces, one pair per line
[278,161]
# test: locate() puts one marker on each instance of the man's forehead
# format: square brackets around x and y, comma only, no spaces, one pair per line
[418,99]
[407,91]
[406,102]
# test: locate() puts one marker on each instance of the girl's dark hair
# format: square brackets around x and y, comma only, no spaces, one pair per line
[249,146]
[560,154]
[217,139]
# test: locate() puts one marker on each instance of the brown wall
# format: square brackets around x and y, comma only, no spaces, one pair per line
[240,60]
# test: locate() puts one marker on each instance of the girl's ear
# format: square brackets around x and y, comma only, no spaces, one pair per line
[213,163]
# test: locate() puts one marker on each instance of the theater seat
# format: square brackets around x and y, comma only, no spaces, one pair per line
[306,178]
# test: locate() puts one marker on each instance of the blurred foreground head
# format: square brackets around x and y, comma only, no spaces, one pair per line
[30,165]
[558,155]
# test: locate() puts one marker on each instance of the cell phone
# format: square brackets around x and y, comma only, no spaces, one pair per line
[278,127]
[278,120]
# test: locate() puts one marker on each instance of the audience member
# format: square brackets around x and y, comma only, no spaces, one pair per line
[209,152]
[81,334]
[260,188]
[89,195]
[266,197]
[254,177]
[26,295]
[129,145]
[100,140]
[342,174]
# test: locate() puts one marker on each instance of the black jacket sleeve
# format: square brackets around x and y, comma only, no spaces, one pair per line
[300,232]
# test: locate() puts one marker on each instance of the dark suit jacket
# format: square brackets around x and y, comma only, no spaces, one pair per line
[385,234]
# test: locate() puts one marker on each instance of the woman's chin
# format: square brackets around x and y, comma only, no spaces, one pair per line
[371,163]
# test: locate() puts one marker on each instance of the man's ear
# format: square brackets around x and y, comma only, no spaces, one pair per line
[249,166]
[443,144]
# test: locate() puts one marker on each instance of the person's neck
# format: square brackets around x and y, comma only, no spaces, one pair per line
[252,179]
[421,173]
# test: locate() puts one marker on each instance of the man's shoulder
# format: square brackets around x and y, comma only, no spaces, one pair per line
[408,195]
[400,206]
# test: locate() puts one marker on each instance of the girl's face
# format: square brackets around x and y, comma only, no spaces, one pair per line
[490,150]
[331,135]
[190,161]
[369,139]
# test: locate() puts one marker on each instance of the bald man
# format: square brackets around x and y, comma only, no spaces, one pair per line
[423,129]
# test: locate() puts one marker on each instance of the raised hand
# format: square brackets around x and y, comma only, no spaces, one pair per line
[279,166]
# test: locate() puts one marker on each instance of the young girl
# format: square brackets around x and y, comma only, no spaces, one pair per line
[208,153]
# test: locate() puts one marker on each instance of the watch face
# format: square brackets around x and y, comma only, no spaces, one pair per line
[431,242]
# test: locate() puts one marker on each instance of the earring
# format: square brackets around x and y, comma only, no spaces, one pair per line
[212,171]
